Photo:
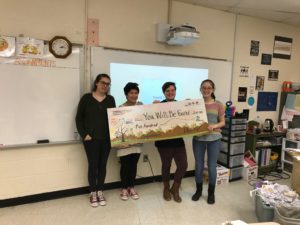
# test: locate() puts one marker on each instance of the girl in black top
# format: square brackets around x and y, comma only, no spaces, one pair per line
[169,149]
[92,125]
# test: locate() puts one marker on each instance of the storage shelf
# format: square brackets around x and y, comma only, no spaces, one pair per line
[268,146]
[233,146]
[287,164]
[274,138]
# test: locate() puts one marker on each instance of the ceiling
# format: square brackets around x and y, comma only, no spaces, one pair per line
[284,11]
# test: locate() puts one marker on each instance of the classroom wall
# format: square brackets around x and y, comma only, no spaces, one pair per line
[248,29]
[43,19]
[127,24]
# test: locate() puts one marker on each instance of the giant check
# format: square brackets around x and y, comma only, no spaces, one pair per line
[143,123]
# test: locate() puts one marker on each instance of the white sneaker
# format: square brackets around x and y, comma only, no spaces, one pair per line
[93,199]
[124,194]
[101,198]
[134,195]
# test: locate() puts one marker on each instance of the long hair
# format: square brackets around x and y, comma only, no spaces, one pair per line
[212,84]
[98,78]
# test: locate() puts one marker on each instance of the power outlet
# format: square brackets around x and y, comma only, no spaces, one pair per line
[145,158]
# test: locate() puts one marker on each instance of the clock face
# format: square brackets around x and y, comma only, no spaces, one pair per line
[60,47]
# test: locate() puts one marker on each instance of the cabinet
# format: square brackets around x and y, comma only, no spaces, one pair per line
[233,146]
[286,158]
[266,148]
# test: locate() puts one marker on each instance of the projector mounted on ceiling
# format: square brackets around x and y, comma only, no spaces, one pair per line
[177,35]
[182,35]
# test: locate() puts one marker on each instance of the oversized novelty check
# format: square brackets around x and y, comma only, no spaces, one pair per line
[143,123]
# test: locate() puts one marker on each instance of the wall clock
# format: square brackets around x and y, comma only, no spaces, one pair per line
[60,47]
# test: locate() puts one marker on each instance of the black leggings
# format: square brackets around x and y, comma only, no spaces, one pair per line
[128,169]
[97,152]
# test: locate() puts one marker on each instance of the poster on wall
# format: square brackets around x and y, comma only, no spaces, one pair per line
[7,46]
[254,48]
[242,95]
[282,47]
[143,123]
[267,101]
[273,75]
[29,47]
[244,71]
[266,59]
[260,83]
[251,90]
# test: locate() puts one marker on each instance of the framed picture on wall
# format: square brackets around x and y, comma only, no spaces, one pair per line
[282,47]
[266,59]
[267,101]
[242,95]
[254,48]
[260,83]
[244,71]
[273,75]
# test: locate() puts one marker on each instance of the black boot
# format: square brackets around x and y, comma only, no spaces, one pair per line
[198,193]
[211,194]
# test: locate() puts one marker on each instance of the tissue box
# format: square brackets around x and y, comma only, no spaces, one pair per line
[250,171]
[222,175]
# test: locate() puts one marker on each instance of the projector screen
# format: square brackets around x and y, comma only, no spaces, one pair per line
[150,71]
[151,78]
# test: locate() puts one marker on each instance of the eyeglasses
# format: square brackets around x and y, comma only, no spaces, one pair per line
[104,83]
[206,88]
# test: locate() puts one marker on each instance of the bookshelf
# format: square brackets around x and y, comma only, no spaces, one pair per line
[262,146]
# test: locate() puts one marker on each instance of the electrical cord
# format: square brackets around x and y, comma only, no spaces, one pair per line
[271,176]
[151,169]
[276,176]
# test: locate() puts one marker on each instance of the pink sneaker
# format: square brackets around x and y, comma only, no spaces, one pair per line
[93,199]
[124,194]
[134,195]
[101,198]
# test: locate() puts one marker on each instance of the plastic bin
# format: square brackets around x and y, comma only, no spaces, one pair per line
[234,133]
[235,139]
[236,160]
[283,216]
[236,127]
[236,173]
[238,121]
[234,149]
[263,212]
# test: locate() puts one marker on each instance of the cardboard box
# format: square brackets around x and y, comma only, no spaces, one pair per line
[222,175]
[250,171]
[296,174]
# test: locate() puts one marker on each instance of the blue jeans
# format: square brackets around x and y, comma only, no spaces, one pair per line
[213,149]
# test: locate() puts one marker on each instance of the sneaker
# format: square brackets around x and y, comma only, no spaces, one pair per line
[101,198]
[134,195]
[124,194]
[93,199]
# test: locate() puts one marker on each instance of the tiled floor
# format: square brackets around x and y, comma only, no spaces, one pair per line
[232,202]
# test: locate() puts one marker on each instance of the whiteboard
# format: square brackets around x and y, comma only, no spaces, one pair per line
[39,98]
[219,71]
